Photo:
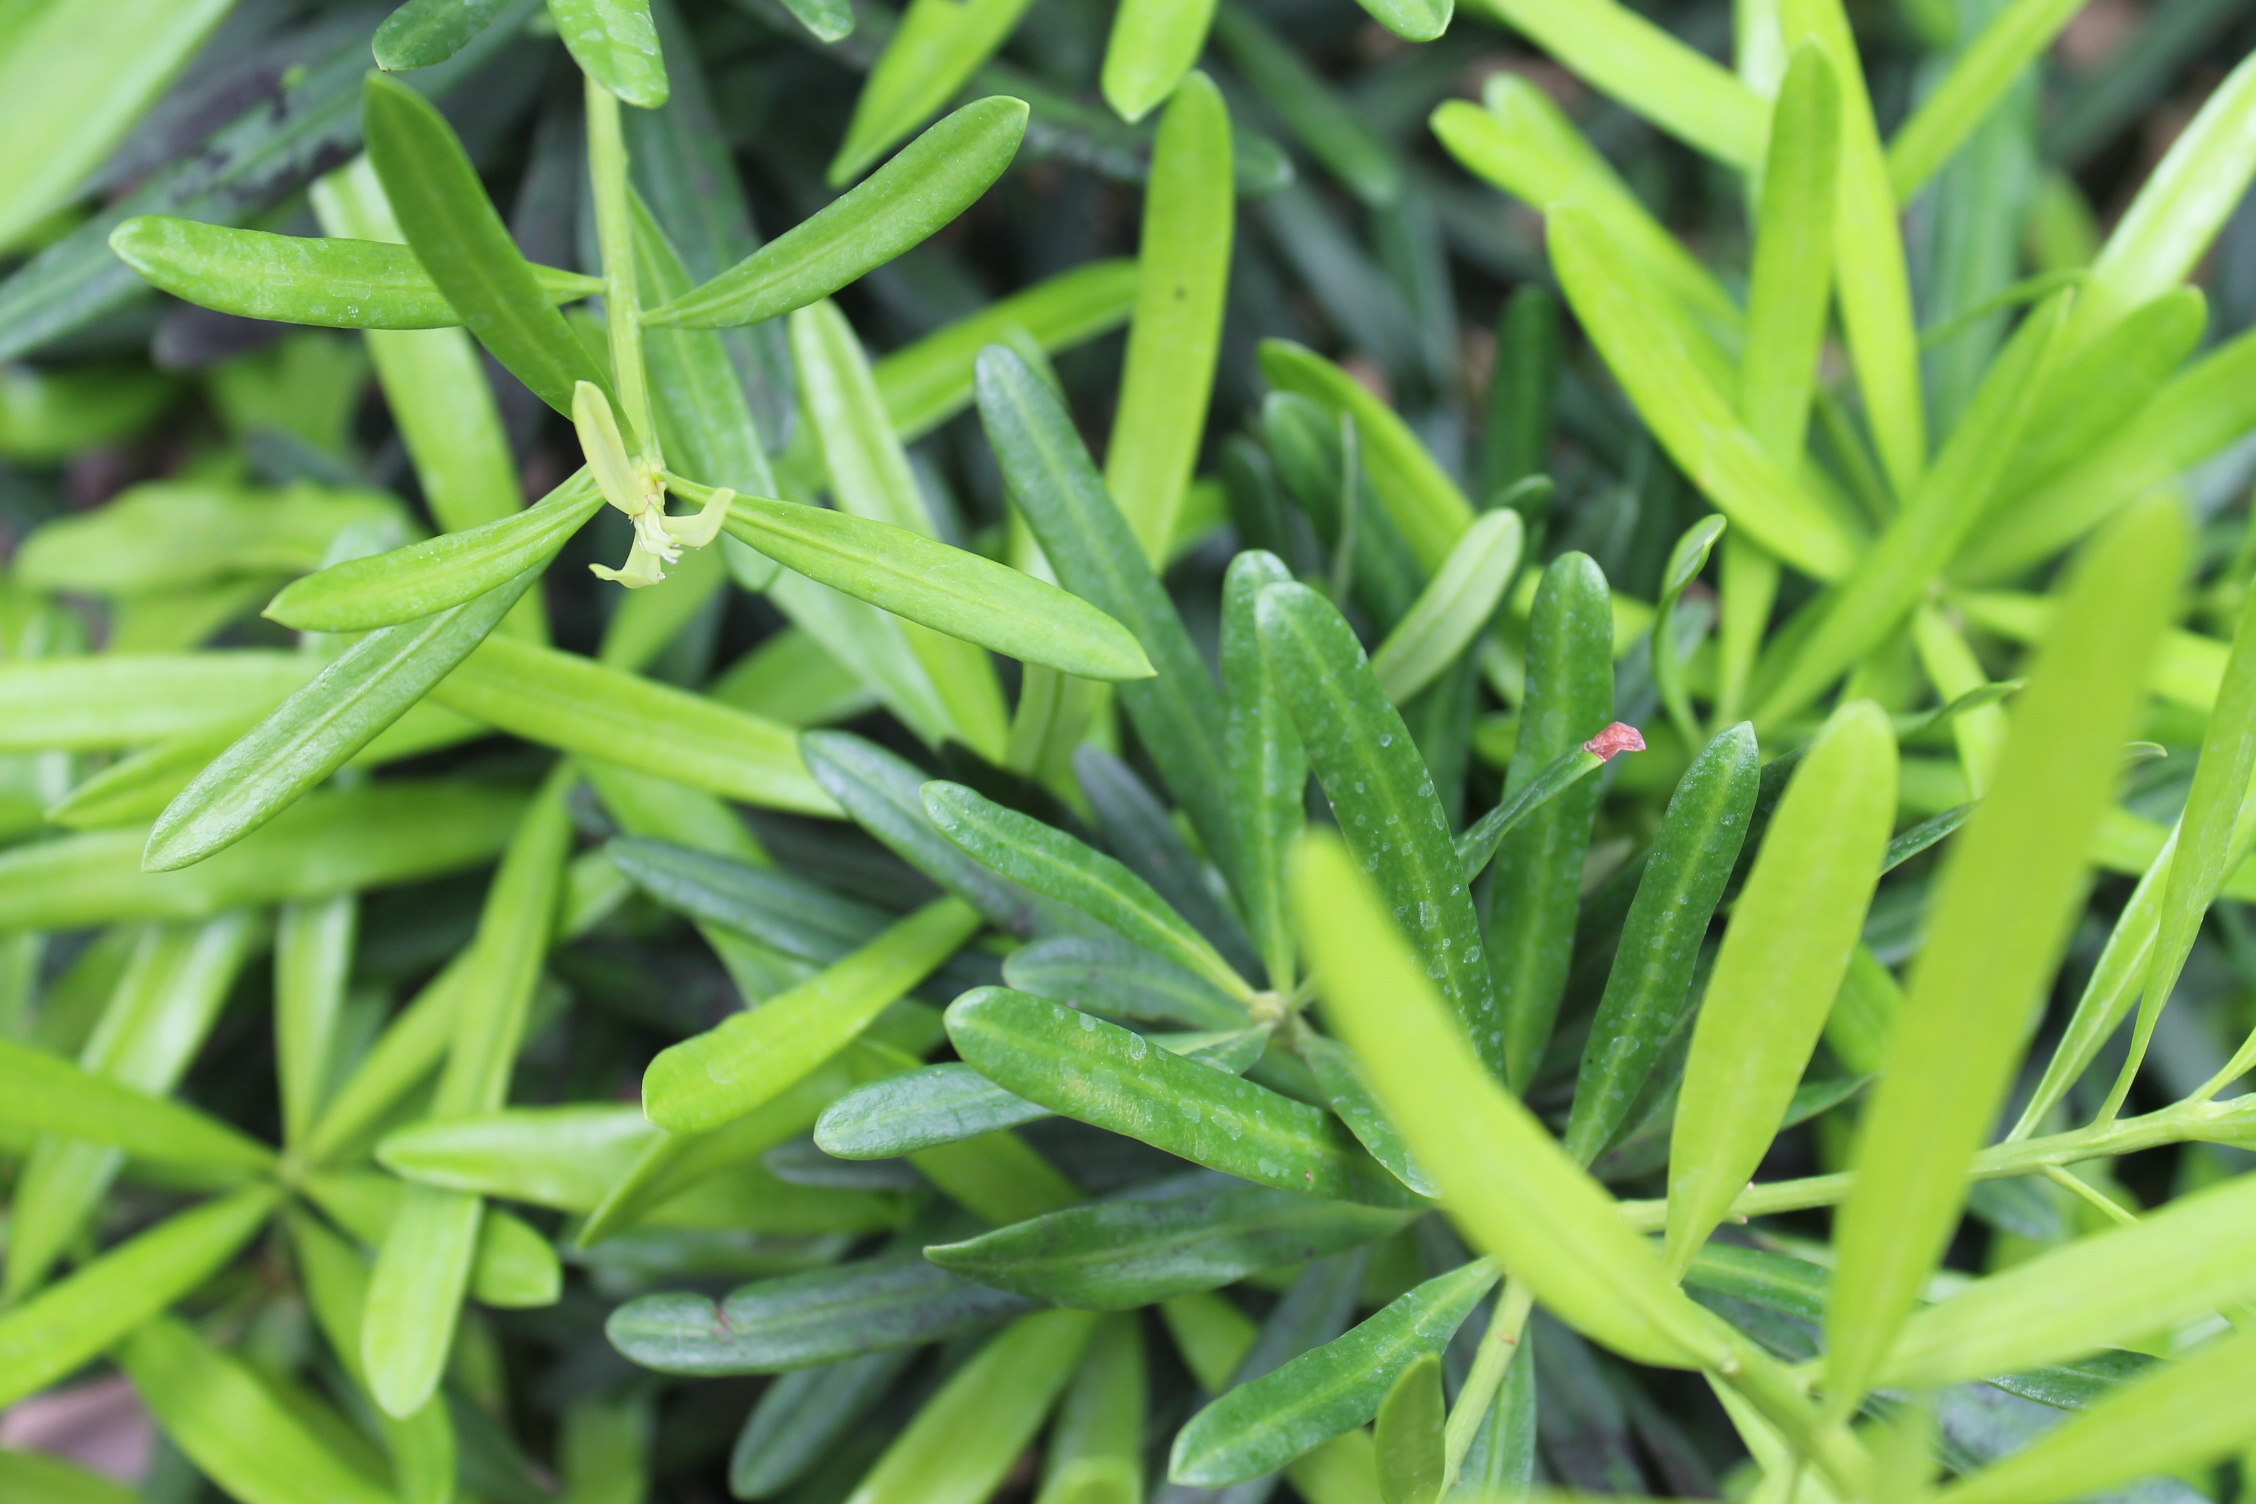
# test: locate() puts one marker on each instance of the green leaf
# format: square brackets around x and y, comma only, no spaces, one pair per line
[2183,1415]
[1685,561]
[1411,1468]
[2007,896]
[1138,827]
[1872,284]
[1257,1428]
[1340,1080]
[1380,790]
[577,705]
[947,589]
[926,383]
[728,1071]
[1646,69]
[1051,862]
[1078,1065]
[1118,1255]
[1796,921]
[802,1416]
[1793,271]
[1325,123]
[935,50]
[290,279]
[515,1269]
[802,1320]
[47,1337]
[1089,544]
[616,45]
[47,1094]
[1977,81]
[1505,1180]
[319,729]
[1476,848]
[52,1480]
[1453,609]
[969,1435]
[564,1157]
[234,1425]
[331,842]
[124,700]
[1183,257]
[423,32]
[919,1109]
[1095,1449]
[1651,354]
[68,104]
[1265,764]
[449,570]
[1570,698]
[787,913]
[460,239]
[2095,392]
[1099,974]
[2171,1266]
[1649,989]
[1419,495]
[934,179]
[313,955]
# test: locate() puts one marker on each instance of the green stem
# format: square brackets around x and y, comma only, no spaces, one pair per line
[1497,1350]
[622,303]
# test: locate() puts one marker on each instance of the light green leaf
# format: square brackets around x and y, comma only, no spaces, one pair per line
[2007,896]
[1788,287]
[616,45]
[1454,607]
[1095,1449]
[45,1338]
[313,955]
[1119,1255]
[1978,79]
[1340,1080]
[1049,861]
[1151,48]
[938,45]
[1190,211]
[1257,1428]
[1078,1065]
[168,535]
[44,1093]
[458,236]
[1409,1435]
[292,279]
[746,1062]
[122,701]
[1796,921]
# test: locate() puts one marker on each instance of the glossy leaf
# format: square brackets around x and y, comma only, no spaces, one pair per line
[1264,762]
[1797,920]
[728,1071]
[1258,1427]
[1793,271]
[919,1109]
[616,45]
[47,1094]
[1340,1080]
[423,32]
[934,50]
[1453,609]
[1077,1065]
[803,1415]
[2007,894]
[1649,989]
[801,1320]
[121,700]
[1099,974]
[1118,1255]
[1409,1437]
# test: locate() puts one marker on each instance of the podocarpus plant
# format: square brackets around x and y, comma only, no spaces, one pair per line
[1529,1098]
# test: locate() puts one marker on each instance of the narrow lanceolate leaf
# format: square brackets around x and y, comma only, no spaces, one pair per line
[2008,894]
[2102,1291]
[2183,1415]
[1099,1073]
[1503,1177]
[919,1109]
[328,843]
[1257,1428]
[616,44]
[1793,271]
[1978,79]
[1649,990]
[44,1093]
[1324,121]
[800,1320]
[1792,932]
[564,1157]
[1118,1255]
[728,1071]
[936,48]
[445,571]
[423,32]
[972,1432]
[1183,261]
[320,728]
[313,955]
[48,1336]
[1049,861]
[1099,974]
[1570,698]
[934,179]
[787,913]
[232,1424]
[1685,561]
[122,700]
[1096,1448]
[1409,1435]
[802,1416]
[1264,763]
[1152,46]
[292,279]
[577,705]
[1381,791]
[429,1250]
[1095,554]
[1340,1080]
[947,589]
[1452,609]
[460,239]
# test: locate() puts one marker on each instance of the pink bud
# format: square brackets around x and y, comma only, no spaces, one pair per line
[1615,740]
